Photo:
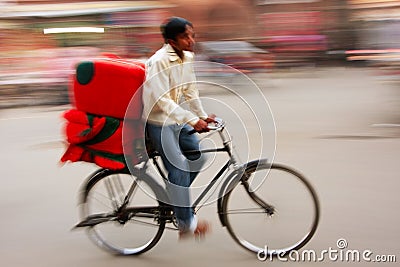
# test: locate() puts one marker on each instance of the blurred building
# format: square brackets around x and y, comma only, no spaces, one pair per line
[40,43]
[214,19]
[378,23]
[289,28]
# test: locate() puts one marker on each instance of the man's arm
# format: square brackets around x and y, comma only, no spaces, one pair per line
[192,97]
[191,93]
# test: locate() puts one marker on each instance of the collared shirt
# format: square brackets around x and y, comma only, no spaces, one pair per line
[168,81]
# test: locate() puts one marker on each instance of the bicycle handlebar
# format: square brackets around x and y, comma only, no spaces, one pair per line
[213,126]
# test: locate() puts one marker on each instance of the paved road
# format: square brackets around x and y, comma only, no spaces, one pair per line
[332,124]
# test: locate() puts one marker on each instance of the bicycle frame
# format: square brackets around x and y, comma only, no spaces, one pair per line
[227,148]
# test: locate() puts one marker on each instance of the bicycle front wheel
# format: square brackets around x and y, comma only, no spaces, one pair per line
[115,226]
[272,211]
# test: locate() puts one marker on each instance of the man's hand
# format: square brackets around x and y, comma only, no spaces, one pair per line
[211,118]
[201,126]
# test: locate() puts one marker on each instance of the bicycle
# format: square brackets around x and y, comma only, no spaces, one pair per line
[111,205]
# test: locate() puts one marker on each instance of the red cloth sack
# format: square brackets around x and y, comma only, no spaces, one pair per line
[101,92]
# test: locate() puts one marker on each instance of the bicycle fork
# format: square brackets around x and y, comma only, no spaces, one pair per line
[269,209]
[231,184]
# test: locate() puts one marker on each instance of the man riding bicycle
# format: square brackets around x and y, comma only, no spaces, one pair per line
[169,76]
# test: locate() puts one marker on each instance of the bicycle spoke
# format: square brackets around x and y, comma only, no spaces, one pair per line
[100,198]
[111,192]
[119,188]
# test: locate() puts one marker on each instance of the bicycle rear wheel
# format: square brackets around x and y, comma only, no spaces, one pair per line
[116,228]
[275,211]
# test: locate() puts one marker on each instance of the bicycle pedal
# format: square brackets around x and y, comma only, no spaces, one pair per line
[90,222]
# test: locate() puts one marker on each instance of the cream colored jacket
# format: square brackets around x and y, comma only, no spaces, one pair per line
[171,83]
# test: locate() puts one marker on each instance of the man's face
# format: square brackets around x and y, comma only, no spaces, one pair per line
[184,41]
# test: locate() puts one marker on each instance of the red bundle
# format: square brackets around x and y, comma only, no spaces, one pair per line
[101,92]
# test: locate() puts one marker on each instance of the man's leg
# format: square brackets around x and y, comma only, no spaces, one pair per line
[166,142]
[190,142]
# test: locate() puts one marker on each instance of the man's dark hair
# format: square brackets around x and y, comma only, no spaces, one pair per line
[174,26]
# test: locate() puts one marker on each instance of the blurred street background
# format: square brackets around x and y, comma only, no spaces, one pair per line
[329,69]
[41,41]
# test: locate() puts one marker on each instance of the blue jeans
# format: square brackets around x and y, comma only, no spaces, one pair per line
[171,141]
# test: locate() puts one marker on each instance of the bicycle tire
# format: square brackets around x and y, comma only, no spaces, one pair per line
[122,238]
[266,241]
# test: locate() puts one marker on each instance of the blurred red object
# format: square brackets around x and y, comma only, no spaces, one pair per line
[101,91]
[106,86]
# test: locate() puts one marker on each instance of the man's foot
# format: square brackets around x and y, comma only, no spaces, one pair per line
[203,228]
